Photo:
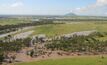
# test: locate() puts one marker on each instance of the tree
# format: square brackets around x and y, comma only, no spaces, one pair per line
[1,58]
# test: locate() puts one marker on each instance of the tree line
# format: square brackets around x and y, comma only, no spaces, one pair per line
[10,28]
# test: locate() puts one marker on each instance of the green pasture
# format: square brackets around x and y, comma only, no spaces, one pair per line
[59,29]
[85,60]
[12,21]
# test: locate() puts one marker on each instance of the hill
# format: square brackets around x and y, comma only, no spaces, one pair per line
[70,14]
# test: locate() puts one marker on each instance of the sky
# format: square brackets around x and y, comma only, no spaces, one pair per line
[54,7]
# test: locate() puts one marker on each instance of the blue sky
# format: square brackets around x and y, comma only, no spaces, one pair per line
[53,7]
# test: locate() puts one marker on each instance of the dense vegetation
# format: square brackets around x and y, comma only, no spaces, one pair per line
[79,44]
[8,46]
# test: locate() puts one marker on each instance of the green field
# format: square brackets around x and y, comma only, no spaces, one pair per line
[59,29]
[12,21]
[85,60]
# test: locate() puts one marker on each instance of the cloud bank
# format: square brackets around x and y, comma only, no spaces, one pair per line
[98,8]
[16,7]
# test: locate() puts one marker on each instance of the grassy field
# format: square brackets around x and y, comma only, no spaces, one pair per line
[85,60]
[59,29]
[12,21]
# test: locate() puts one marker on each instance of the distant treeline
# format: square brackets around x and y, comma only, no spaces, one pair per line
[75,19]
[8,28]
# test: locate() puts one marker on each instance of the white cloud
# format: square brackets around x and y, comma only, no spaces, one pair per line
[92,8]
[106,13]
[17,4]
[17,7]
[101,2]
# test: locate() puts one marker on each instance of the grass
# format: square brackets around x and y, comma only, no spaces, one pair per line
[102,38]
[12,21]
[85,60]
[59,29]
